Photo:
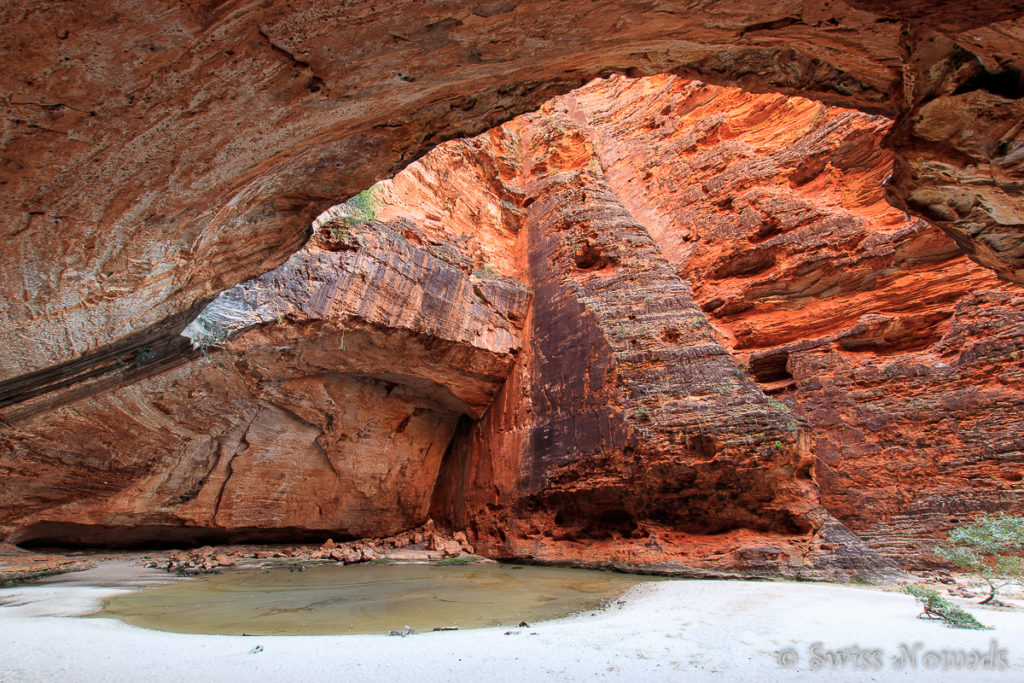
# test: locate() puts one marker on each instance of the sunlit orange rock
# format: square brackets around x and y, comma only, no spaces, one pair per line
[627,435]
[155,154]
[904,358]
[658,324]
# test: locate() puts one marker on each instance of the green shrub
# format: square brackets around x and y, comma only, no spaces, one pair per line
[990,547]
[365,205]
[209,333]
[361,208]
[486,272]
[934,606]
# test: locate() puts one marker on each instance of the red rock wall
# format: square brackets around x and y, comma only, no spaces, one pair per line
[327,412]
[734,348]
[156,153]
[899,357]
[627,435]
[897,350]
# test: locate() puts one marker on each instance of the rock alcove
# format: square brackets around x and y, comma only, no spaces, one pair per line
[656,324]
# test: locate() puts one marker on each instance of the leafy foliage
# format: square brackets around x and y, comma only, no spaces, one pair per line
[990,547]
[934,606]
[338,232]
[486,272]
[782,406]
[365,205]
[360,209]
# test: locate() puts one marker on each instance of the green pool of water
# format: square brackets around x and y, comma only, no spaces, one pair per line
[366,599]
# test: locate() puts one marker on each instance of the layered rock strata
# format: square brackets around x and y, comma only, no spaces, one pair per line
[155,154]
[627,435]
[658,325]
[904,358]
[327,411]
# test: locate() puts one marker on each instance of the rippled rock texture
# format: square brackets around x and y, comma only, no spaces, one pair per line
[905,359]
[627,434]
[822,331]
[155,154]
[657,324]
[328,410]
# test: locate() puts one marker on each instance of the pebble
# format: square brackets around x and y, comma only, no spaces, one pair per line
[208,559]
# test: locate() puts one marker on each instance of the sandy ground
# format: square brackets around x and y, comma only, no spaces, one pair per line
[669,631]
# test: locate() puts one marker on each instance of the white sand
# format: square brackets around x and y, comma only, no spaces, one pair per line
[671,631]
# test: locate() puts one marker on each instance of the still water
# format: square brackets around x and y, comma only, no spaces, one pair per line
[366,599]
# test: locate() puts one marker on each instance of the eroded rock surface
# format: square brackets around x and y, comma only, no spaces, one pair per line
[904,358]
[658,324]
[328,410]
[627,435]
[155,154]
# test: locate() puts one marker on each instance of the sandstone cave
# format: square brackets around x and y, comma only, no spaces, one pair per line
[730,291]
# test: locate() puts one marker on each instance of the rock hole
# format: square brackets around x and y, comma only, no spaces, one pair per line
[617,520]
[746,263]
[770,367]
[589,256]
[769,228]
[1005,83]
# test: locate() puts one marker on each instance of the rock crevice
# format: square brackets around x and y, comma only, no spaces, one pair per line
[657,325]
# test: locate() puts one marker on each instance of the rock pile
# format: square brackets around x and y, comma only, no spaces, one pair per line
[423,543]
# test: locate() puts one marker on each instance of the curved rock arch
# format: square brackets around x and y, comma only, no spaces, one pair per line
[156,156]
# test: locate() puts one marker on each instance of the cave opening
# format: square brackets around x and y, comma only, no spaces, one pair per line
[397,368]
[728,292]
[769,368]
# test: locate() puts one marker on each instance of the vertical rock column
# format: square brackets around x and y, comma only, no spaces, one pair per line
[905,357]
[626,434]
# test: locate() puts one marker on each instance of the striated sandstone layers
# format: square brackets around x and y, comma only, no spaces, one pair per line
[627,436]
[891,361]
[656,325]
[154,154]
[905,359]
[329,409]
